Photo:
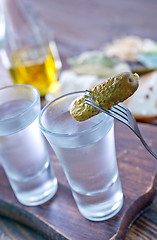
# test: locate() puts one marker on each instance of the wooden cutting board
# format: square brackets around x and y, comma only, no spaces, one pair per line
[59,218]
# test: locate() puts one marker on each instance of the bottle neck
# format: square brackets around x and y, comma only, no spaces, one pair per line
[22,27]
[16,16]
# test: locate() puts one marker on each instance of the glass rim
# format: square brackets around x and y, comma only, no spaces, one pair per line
[45,130]
[27,108]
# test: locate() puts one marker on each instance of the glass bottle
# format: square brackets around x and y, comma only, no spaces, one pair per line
[27,54]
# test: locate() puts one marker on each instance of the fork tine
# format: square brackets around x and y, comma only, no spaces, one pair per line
[95,105]
[88,96]
[119,112]
[122,112]
[121,105]
[87,90]
[111,113]
[120,109]
[119,116]
[127,112]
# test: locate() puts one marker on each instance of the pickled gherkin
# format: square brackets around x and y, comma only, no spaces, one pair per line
[106,94]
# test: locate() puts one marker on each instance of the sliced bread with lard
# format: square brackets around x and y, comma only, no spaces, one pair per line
[143,104]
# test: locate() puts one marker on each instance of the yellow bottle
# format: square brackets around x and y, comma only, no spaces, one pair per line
[28,55]
[34,66]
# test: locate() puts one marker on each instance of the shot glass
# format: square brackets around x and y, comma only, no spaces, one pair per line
[23,152]
[86,151]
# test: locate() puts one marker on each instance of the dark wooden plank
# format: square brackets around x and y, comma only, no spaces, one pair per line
[145,227]
[60,217]
[12,230]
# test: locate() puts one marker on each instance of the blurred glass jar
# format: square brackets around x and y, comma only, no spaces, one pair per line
[26,53]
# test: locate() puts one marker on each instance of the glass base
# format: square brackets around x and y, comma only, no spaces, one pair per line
[37,197]
[102,205]
[103,214]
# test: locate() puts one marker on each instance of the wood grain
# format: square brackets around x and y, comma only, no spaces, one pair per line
[59,217]
[145,225]
[143,228]
[12,230]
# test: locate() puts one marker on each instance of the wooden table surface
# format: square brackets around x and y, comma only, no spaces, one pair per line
[82,25]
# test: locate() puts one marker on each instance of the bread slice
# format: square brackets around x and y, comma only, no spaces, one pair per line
[143,103]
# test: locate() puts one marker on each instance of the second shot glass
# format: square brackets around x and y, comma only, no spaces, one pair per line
[86,151]
[23,152]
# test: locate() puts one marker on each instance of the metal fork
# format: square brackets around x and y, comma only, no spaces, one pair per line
[122,114]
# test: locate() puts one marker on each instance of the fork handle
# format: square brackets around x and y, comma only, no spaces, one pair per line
[154,154]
